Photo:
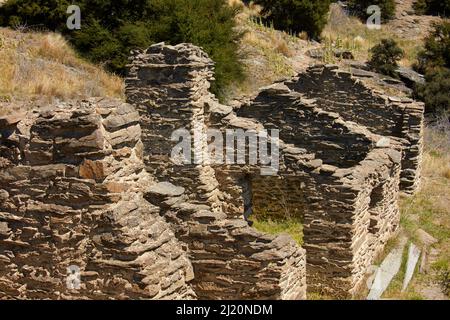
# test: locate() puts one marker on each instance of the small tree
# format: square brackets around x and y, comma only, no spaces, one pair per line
[297,15]
[359,8]
[385,57]
[436,91]
[436,53]
[433,7]
[434,62]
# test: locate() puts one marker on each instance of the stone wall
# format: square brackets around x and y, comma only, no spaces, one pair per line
[94,184]
[302,123]
[348,94]
[338,177]
[230,259]
[169,86]
[72,185]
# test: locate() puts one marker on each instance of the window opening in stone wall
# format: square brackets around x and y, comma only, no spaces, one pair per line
[375,208]
[247,196]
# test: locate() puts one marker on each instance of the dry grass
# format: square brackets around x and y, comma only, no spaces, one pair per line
[247,10]
[350,33]
[269,55]
[429,209]
[43,67]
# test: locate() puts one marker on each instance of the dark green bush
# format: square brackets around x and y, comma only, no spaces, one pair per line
[111,28]
[385,56]
[436,91]
[436,53]
[359,8]
[433,7]
[297,15]
[434,62]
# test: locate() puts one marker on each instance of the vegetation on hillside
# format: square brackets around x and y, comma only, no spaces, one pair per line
[359,8]
[42,66]
[433,7]
[350,33]
[434,62]
[297,15]
[436,53]
[385,57]
[436,91]
[111,28]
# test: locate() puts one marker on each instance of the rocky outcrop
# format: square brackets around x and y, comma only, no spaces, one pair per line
[72,185]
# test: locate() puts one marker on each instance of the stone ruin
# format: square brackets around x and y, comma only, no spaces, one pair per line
[92,184]
[72,185]
[345,93]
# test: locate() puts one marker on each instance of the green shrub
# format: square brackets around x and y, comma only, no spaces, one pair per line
[297,15]
[434,62]
[111,28]
[436,53]
[385,56]
[420,7]
[436,91]
[433,7]
[359,8]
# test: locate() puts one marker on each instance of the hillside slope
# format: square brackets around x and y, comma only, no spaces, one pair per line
[40,67]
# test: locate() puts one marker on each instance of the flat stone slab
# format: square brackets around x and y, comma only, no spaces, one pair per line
[166,189]
[413,258]
[387,271]
[11,119]
[384,143]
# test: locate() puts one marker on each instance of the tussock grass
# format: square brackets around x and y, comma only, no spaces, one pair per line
[267,53]
[351,33]
[42,66]
[273,45]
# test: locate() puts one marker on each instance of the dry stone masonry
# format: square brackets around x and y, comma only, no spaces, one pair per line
[169,86]
[93,184]
[345,93]
[72,185]
[344,185]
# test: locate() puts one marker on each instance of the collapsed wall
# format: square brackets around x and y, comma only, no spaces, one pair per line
[342,179]
[338,177]
[72,186]
[169,86]
[347,94]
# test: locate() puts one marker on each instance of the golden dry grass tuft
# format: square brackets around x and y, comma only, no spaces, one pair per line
[350,33]
[268,55]
[42,66]
[235,3]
